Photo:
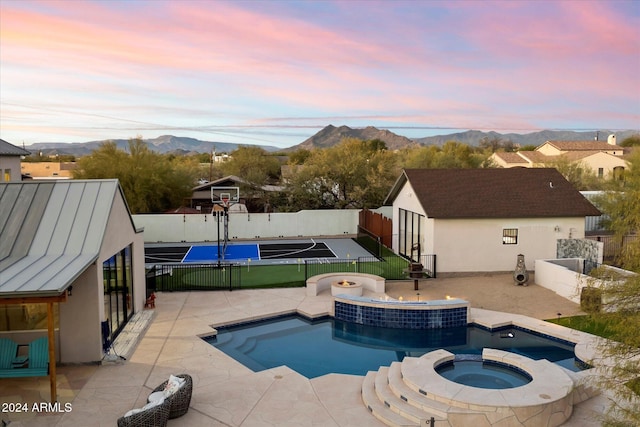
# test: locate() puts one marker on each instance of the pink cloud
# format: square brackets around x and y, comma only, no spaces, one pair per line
[471,62]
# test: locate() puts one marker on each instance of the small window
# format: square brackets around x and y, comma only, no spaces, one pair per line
[600,172]
[510,236]
[7,175]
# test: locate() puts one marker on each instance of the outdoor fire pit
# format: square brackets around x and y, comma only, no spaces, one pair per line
[346,287]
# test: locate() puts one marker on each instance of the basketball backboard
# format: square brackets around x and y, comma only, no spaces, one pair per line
[225,196]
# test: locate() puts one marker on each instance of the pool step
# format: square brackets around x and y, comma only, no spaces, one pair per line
[426,403]
[377,408]
[393,402]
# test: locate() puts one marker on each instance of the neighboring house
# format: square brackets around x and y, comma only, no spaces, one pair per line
[48,170]
[72,243]
[201,198]
[603,158]
[10,157]
[477,220]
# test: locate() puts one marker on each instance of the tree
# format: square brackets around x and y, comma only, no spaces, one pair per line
[623,320]
[579,175]
[631,141]
[151,182]
[257,168]
[451,155]
[352,174]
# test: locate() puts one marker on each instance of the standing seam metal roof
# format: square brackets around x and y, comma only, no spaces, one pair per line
[50,232]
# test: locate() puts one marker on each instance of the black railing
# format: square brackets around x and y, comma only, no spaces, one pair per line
[390,267]
[192,277]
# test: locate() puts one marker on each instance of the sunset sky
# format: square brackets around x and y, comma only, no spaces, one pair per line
[276,72]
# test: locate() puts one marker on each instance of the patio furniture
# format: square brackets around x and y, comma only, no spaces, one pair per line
[180,400]
[155,416]
[8,351]
[37,361]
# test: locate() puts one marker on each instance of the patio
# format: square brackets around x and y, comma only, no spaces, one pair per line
[228,394]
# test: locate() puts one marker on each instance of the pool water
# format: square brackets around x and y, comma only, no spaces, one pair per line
[319,347]
[470,370]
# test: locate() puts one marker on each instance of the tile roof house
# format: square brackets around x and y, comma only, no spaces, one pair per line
[603,158]
[10,162]
[482,219]
[72,243]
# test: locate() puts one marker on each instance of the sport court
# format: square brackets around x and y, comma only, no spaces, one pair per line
[265,252]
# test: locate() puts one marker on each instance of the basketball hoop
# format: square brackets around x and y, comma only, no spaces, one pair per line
[224,199]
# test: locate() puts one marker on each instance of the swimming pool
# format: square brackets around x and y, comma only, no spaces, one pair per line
[319,347]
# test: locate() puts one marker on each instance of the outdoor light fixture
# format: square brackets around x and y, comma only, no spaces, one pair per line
[69,290]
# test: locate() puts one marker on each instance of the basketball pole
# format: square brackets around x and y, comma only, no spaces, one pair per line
[218,221]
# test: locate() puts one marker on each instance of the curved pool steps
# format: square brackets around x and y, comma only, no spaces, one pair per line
[409,392]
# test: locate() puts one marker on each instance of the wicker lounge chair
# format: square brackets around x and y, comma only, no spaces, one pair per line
[156,416]
[180,400]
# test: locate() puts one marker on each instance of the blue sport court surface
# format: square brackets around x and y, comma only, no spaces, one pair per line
[264,252]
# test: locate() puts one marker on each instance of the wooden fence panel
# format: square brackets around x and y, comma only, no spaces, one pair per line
[378,225]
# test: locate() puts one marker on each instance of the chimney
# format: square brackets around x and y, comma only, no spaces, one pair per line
[611,140]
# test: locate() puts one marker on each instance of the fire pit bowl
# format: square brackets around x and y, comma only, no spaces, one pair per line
[346,287]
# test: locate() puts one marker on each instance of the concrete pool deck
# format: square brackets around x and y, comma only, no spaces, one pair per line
[228,394]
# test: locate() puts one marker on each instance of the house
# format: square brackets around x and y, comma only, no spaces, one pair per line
[70,245]
[603,158]
[201,198]
[477,220]
[49,170]
[10,162]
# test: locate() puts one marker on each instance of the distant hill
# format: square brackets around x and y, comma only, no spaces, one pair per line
[473,137]
[162,144]
[331,135]
[328,137]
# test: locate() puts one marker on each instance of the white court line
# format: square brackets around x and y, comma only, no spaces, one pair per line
[186,255]
[314,244]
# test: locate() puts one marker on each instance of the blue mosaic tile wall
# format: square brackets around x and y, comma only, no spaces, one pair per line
[405,318]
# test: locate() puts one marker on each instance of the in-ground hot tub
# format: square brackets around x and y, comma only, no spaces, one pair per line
[473,371]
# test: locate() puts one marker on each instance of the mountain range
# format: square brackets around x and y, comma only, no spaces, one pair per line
[328,137]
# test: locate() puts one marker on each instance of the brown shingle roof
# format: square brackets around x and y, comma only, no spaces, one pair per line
[494,193]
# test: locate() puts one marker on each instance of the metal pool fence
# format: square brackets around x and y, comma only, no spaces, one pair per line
[391,267]
[230,276]
[190,277]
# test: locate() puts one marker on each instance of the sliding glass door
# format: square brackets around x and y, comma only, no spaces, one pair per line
[117,275]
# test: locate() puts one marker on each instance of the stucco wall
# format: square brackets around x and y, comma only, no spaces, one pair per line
[80,336]
[468,245]
[204,227]
[80,316]
[605,161]
[407,199]
[12,163]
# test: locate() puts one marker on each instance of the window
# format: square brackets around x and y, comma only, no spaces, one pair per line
[510,236]
[7,175]
[600,172]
